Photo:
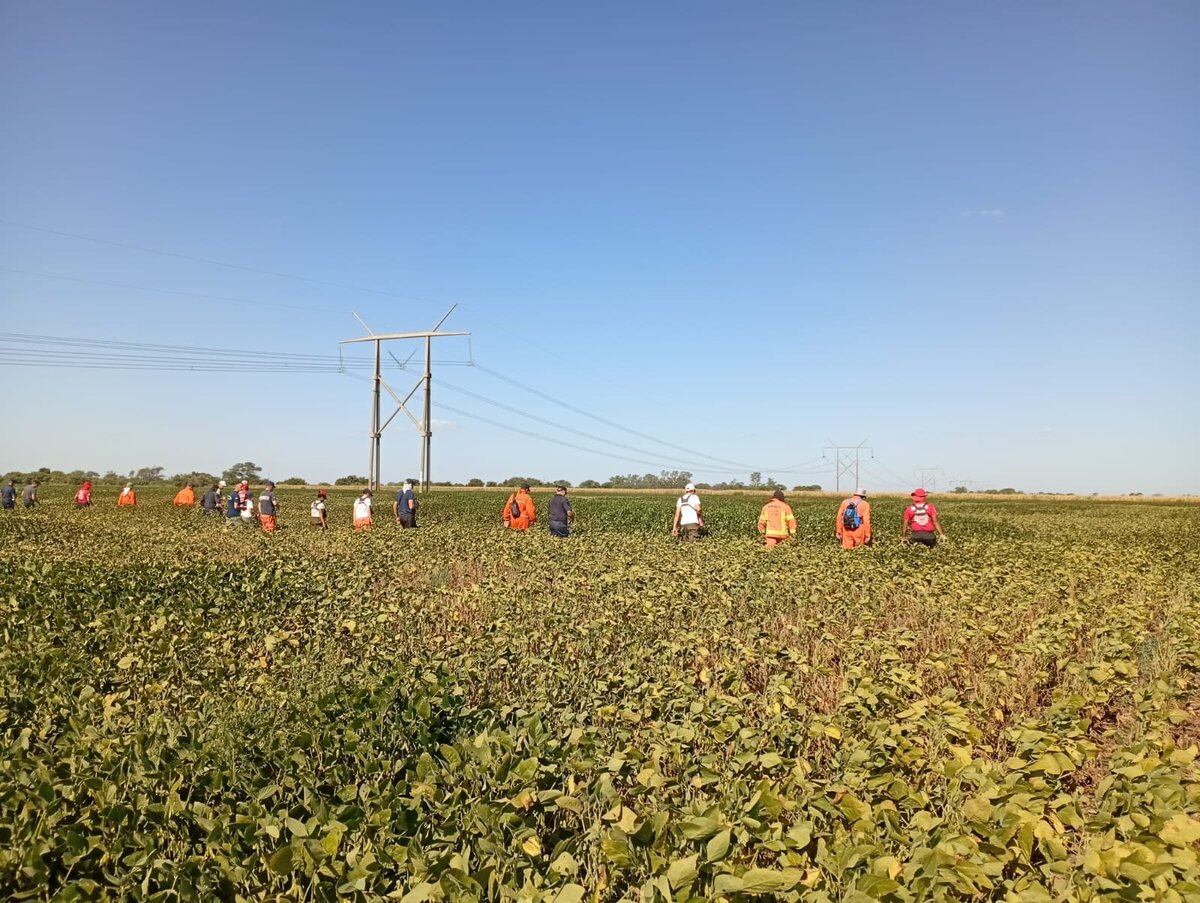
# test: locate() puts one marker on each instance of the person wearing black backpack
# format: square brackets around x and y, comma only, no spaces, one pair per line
[519,511]
[854,520]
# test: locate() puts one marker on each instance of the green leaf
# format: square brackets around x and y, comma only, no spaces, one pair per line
[570,893]
[282,860]
[718,847]
[682,872]
[1180,831]
[770,881]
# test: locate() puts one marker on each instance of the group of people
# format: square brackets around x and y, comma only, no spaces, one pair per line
[776,522]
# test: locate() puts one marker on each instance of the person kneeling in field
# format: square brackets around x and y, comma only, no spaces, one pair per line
[854,520]
[268,508]
[776,522]
[362,512]
[920,523]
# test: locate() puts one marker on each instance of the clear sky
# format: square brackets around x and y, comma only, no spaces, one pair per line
[966,232]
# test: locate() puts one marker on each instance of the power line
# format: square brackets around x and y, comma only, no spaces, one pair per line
[207,260]
[580,411]
[544,438]
[166,291]
[569,429]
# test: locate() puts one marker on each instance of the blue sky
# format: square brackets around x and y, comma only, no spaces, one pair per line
[963,232]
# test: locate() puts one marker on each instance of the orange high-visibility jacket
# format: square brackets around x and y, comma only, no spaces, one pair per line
[525,506]
[127,499]
[777,519]
[184,498]
[863,532]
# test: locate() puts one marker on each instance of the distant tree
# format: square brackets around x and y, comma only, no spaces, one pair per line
[492,483]
[811,487]
[517,481]
[589,484]
[351,480]
[146,475]
[196,478]
[246,470]
[755,478]
[475,481]
[566,483]
[961,489]
[295,481]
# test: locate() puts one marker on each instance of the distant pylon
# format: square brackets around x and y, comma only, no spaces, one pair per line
[424,426]
[845,460]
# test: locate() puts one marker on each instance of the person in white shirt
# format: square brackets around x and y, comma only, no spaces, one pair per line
[362,511]
[248,510]
[688,520]
[317,511]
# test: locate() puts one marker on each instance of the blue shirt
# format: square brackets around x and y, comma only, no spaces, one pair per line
[403,498]
[8,496]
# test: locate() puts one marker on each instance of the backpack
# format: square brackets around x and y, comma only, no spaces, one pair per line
[850,517]
[920,517]
[514,510]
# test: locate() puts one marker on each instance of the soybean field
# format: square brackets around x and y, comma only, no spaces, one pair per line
[192,712]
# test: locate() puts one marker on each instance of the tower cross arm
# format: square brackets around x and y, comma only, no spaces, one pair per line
[387,337]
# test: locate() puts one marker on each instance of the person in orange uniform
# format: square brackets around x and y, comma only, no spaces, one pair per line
[776,522]
[854,520]
[519,511]
[185,497]
[127,498]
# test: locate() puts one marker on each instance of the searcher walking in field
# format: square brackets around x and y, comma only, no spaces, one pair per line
[128,497]
[29,495]
[920,524]
[268,508]
[8,496]
[362,512]
[853,526]
[561,515]
[520,513]
[688,520]
[185,497]
[776,521]
[210,502]
[318,515]
[404,506]
[83,495]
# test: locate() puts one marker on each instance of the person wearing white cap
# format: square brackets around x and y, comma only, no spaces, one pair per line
[854,520]
[688,519]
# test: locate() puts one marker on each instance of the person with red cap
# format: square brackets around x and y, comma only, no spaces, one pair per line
[920,523]
[853,526]
[83,496]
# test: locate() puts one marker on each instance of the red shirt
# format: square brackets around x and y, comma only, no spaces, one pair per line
[921,522]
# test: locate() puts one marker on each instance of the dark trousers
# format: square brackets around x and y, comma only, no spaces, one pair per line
[407,521]
[559,528]
[924,537]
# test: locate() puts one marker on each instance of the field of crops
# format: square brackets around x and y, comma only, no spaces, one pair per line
[461,713]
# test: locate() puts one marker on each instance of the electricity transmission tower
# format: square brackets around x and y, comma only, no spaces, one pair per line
[424,425]
[845,461]
[927,476]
